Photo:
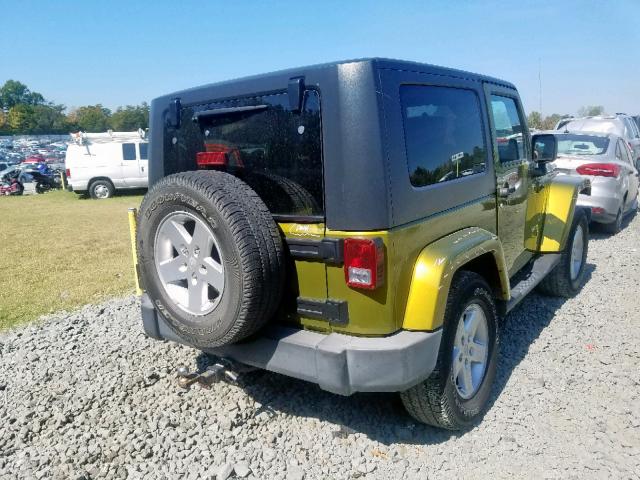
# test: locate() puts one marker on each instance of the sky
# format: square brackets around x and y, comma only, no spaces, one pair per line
[125,52]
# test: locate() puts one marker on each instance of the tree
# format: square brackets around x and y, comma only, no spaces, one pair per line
[92,118]
[590,110]
[534,119]
[20,118]
[14,93]
[130,118]
[49,119]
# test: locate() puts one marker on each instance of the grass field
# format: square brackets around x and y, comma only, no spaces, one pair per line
[59,251]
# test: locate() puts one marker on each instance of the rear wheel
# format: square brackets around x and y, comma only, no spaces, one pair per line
[457,393]
[615,226]
[101,189]
[211,257]
[567,277]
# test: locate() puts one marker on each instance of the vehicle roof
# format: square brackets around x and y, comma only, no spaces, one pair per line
[590,122]
[383,63]
[580,132]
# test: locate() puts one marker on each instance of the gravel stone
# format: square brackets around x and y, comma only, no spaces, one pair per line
[85,394]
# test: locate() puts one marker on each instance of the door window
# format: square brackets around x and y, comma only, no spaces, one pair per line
[128,151]
[622,153]
[443,133]
[144,149]
[509,129]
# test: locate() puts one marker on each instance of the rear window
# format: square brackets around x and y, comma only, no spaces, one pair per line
[582,145]
[275,150]
[601,126]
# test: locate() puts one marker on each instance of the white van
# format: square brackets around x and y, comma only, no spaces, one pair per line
[101,163]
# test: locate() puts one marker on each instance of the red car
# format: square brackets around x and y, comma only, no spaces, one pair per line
[36,158]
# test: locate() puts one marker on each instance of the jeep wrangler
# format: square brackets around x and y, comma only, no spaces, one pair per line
[363,225]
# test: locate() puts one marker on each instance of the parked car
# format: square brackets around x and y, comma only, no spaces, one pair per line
[270,237]
[100,164]
[606,160]
[622,125]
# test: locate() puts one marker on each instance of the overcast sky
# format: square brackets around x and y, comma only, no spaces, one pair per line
[126,52]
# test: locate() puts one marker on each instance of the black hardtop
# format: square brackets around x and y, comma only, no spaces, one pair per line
[376,62]
[366,181]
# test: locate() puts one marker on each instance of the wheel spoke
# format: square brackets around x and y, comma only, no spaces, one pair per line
[177,234]
[196,296]
[202,239]
[471,323]
[457,363]
[214,275]
[467,381]
[173,269]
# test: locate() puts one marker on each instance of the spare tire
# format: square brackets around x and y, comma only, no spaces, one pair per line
[283,194]
[210,257]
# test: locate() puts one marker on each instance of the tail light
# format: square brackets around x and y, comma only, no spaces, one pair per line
[599,169]
[364,262]
[68,172]
[211,159]
[219,155]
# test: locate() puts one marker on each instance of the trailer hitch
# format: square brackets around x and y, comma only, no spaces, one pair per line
[222,369]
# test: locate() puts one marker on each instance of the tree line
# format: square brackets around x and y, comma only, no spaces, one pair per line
[25,112]
[536,120]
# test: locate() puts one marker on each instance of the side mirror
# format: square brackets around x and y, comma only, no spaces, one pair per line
[545,147]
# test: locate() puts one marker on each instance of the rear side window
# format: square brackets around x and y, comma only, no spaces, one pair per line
[276,151]
[128,151]
[443,133]
[144,147]
[508,125]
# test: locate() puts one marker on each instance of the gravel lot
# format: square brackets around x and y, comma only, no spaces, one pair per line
[87,395]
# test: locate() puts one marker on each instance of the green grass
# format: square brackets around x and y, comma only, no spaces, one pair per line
[59,251]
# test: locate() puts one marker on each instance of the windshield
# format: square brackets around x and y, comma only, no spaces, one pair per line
[582,145]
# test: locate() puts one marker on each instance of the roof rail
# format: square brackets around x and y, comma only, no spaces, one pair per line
[83,138]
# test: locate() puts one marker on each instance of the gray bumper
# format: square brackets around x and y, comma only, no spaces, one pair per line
[338,363]
[601,197]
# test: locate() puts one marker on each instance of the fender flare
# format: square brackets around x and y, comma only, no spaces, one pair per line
[550,213]
[435,267]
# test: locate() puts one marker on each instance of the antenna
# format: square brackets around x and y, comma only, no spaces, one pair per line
[540,83]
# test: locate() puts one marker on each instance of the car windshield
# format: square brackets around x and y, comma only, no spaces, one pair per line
[582,145]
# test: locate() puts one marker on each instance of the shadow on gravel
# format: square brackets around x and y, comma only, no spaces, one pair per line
[381,416]
[521,328]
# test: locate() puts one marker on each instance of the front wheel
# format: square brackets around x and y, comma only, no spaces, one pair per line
[566,279]
[457,393]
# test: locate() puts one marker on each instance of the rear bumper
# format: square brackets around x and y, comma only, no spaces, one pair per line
[608,204]
[338,363]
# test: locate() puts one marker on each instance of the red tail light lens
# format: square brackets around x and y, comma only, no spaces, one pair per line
[219,155]
[211,159]
[364,262]
[68,172]
[599,169]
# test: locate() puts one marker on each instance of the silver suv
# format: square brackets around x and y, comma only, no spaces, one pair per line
[621,124]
